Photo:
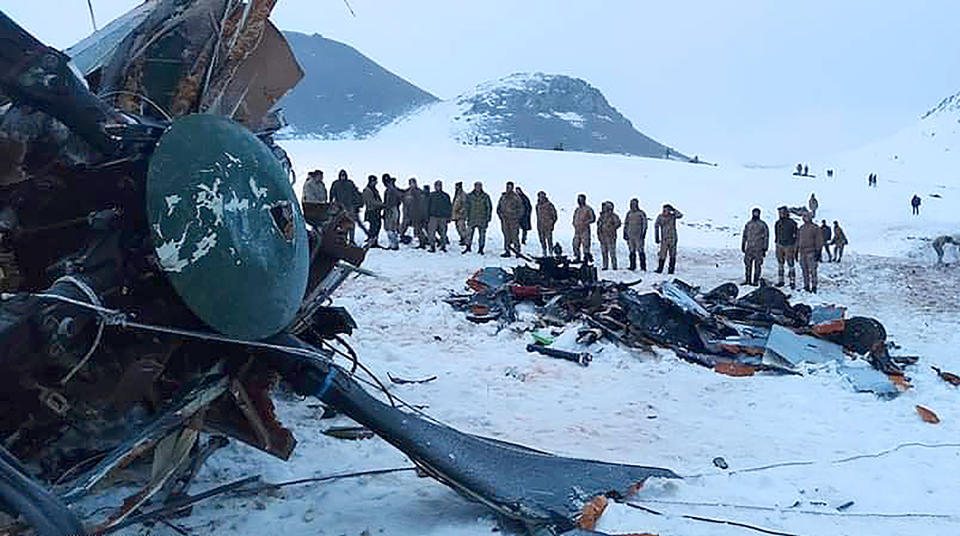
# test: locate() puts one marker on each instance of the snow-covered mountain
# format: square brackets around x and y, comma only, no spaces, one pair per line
[344,94]
[548,111]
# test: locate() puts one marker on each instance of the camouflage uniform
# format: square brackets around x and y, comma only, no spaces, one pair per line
[635,233]
[665,234]
[754,244]
[510,211]
[414,211]
[785,235]
[607,226]
[479,210]
[546,220]
[583,217]
[373,213]
[809,244]
[459,213]
[839,241]
[391,217]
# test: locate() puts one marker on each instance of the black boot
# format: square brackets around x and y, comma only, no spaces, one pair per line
[659,269]
[643,261]
[480,250]
[633,260]
[673,264]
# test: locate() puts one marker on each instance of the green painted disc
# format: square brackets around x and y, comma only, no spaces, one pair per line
[226,226]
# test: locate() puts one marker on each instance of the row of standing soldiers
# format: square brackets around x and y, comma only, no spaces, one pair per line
[805,244]
[428,213]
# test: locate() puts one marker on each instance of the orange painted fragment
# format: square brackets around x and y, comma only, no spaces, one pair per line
[927,415]
[592,511]
[732,368]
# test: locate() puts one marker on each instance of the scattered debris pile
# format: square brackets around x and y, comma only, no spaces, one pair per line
[732,334]
[158,280]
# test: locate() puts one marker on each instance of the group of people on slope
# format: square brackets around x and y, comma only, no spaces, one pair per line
[805,243]
[427,213]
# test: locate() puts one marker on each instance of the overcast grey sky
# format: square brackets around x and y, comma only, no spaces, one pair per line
[766,81]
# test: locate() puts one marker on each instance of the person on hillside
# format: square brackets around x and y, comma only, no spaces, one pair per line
[635,233]
[510,211]
[314,190]
[479,210]
[915,203]
[785,236]
[827,236]
[813,205]
[525,216]
[373,211]
[839,241]
[439,209]
[754,245]
[344,192]
[392,198]
[583,218]
[809,244]
[546,221]
[459,212]
[414,207]
[665,234]
[607,226]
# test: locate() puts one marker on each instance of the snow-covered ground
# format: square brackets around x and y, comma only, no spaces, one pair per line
[636,408]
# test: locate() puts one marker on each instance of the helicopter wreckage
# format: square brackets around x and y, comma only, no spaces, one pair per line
[159,279]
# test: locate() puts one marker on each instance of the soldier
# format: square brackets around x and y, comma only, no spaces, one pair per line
[941,241]
[440,210]
[425,216]
[839,241]
[459,212]
[583,217]
[635,233]
[809,244]
[314,191]
[785,235]
[814,205]
[665,234]
[373,211]
[546,220]
[344,192]
[479,210]
[607,226]
[525,216]
[510,211]
[392,197]
[754,244]
[413,209]
[915,203]
[825,229]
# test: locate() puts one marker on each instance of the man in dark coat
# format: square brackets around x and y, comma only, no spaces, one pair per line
[439,209]
[785,236]
[756,240]
[414,208]
[525,216]
[344,192]
[915,203]
[827,235]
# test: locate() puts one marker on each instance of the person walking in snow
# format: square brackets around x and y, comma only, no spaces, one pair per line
[479,210]
[839,241]
[754,244]
[813,205]
[459,212]
[785,236]
[314,191]
[439,209]
[607,226]
[665,234]
[827,235]
[583,218]
[392,198]
[915,203]
[510,211]
[525,216]
[373,211]
[809,244]
[546,221]
[635,233]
